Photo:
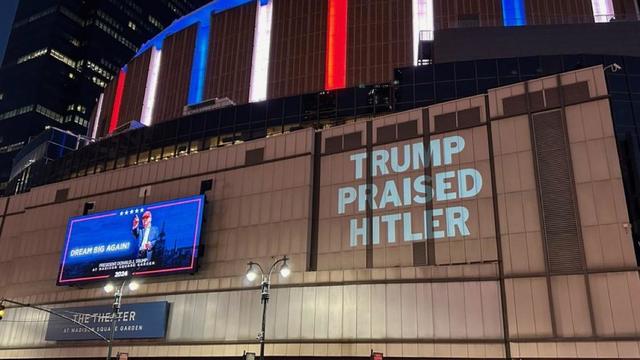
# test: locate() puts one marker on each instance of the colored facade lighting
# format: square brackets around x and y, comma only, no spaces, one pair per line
[422,17]
[96,121]
[115,114]
[513,13]
[336,58]
[199,15]
[261,48]
[603,10]
[151,87]
[199,63]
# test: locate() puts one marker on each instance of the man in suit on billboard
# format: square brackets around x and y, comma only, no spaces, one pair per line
[147,235]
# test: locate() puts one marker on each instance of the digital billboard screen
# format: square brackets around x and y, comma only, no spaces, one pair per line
[152,239]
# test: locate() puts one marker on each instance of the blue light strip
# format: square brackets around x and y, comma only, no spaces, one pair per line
[199,64]
[513,13]
[199,15]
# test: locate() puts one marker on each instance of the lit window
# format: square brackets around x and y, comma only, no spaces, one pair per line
[32,55]
[132,25]
[63,58]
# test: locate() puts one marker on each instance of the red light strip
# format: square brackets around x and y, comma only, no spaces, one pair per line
[336,60]
[113,123]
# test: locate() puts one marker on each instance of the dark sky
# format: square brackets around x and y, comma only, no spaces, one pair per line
[7,11]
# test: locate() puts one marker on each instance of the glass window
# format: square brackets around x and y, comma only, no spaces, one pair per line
[486,68]
[530,65]
[444,72]
[486,84]
[550,64]
[404,94]
[466,88]
[132,159]
[634,84]
[182,148]
[465,70]
[424,74]
[508,67]
[211,142]
[195,146]
[274,109]
[120,162]
[403,75]
[632,65]
[617,83]
[143,157]
[622,113]
[424,92]
[155,154]
[184,126]
[445,90]
[292,106]
[227,116]
[168,151]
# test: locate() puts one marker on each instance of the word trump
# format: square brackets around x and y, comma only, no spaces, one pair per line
[447,185]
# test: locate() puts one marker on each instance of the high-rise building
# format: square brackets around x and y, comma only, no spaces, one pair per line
[60,56]
[444,179]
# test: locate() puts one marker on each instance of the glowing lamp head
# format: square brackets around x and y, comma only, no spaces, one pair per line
[285,271]
[252,273]
[109,288]
[134,285]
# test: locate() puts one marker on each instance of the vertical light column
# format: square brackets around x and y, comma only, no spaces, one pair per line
[151,86]
[261,48]
[96,121]
[513,13]
[422,15]
[115,114]
[199,64]
[336,57]
[603,10]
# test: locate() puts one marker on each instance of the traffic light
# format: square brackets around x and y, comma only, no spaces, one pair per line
[1,311]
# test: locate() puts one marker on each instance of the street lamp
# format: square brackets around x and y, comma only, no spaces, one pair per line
[115,310]
[254,269]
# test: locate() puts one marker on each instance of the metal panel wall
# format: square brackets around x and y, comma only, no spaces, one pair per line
[379,40]
[298,42]
[462,13]
[107,107]
[134,88]
[548,12]
[230,51]
[412,311]
[175,74]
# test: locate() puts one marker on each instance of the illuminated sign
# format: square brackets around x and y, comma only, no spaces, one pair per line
[152,239]
[134,321]
[446,186]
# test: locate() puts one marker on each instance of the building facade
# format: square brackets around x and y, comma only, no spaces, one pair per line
[441,190]
[60,56]
[498,228]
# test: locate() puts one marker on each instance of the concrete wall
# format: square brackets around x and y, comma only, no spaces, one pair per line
[527,280]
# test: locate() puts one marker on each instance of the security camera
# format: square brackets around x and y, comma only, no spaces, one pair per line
[613,67]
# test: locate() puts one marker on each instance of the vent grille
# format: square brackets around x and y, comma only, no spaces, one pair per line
[561,233]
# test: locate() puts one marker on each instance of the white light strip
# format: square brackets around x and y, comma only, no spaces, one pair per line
[96,121]
[261,47]
[422,14]
[151,87]
[602,10]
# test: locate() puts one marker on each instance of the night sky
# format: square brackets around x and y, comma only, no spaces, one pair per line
[7,11]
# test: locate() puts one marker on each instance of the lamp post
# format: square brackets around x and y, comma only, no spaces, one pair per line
[252,274]
[115,310]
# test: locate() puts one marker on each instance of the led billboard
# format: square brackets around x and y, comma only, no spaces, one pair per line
[152,239]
